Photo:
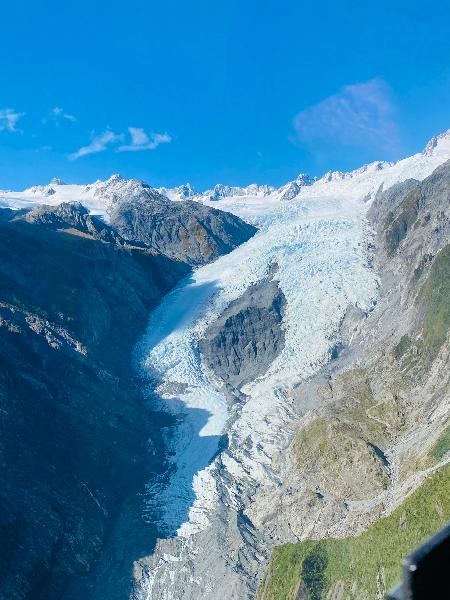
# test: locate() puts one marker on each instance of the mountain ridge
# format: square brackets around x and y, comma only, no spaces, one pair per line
[100,195]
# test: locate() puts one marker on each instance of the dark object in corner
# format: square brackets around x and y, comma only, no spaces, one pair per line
[425,571]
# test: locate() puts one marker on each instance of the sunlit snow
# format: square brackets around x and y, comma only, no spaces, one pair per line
[319,242]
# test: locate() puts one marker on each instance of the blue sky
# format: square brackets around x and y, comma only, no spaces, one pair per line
[208,92]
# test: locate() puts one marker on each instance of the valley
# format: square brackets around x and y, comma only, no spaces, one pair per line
[291,347]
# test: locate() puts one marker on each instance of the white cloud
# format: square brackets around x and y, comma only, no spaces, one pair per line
[59,112]
[56,115]
[8,120]
[143,141]
[139,141]
[99,143]
[359,115]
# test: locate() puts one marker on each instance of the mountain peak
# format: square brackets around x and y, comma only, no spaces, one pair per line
[186,190]
[436,141]
[305,179]
[115,178]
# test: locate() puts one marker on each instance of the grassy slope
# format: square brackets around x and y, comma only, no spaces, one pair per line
[434,300]
[322,565]
[442,445]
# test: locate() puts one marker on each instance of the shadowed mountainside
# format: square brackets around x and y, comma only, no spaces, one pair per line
[77,443]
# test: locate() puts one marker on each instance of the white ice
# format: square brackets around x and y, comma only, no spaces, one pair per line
[318,241]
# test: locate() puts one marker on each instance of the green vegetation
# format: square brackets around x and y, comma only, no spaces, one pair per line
[343,449]
[442,446]
[312,440]
[402,347]
[397,229]
[434,301]
[356,563]
[340,458]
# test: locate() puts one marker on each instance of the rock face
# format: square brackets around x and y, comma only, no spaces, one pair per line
[73,217]
[77,443]
[187,231]
[241,345]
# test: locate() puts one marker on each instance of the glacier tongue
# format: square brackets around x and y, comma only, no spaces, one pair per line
[320,241]
[321,251]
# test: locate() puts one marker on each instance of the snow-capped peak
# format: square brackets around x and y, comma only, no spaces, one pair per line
[357,185]
[224,191]
[292,189]
[186,190]
[437,143]
[117,186]
[305,179]
[98,197]
[41,190]
[182,192]
[45,190]
[217,193]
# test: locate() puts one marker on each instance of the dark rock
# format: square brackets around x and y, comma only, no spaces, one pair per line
[247,337]
[187,231]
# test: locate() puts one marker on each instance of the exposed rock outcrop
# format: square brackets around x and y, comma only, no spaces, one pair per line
[241,345]
[187,231]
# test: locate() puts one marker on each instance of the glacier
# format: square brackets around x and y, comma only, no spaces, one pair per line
[319,247]
[321,244]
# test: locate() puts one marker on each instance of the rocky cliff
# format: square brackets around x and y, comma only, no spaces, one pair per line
[77,443]
[240,345]
[186,231]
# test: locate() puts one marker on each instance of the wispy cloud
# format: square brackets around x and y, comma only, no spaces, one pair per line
[99,143]
[143,141]
[58,114]
[8,120]
[359,115]
[139,141]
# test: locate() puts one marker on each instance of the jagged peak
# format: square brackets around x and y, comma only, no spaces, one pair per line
[186,190]
[373,167]
[333,176]
[118,182]
[41,190]
[115,178]
[254,189]
[435,141]
[304,179]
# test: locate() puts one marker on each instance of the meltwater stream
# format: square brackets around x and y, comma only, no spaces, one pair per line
[320,249]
